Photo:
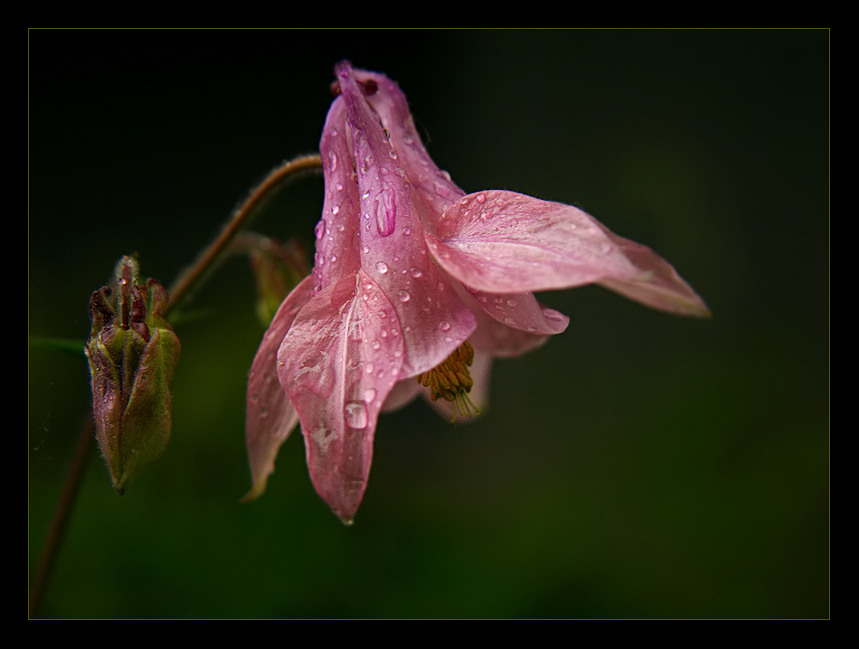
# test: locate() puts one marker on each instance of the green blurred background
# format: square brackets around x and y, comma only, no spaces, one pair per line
[638,465]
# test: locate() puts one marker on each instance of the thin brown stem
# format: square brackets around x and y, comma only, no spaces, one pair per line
[61,516]
[273,182]
[179,291]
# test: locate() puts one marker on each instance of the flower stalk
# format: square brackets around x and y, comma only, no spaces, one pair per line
[179,292]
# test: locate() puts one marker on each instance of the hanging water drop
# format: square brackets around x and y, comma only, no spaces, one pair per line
[355,413]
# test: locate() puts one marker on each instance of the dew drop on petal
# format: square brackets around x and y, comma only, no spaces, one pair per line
[480,198]
[355,413]
[382,267]
[404,296]
[444,326]
[320,229]
[415,272]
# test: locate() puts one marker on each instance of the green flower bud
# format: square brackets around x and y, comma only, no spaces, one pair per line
[132,351]
[277,268]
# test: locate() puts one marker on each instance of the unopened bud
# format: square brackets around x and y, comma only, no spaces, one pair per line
[277,268]
[132,351]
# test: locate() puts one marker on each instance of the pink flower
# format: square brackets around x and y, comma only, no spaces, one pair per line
[412,278]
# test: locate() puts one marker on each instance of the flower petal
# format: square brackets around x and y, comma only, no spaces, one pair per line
[504,242]
[402,394]
[433,188]
[433,319]
[270,416]
[337,364]
[658,286]
[337,237]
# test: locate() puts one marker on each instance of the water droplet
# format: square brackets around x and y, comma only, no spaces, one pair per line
[332,157]
[444,326]
[480,198]
[415,272]
[405,296]
[355,413]
[511,302]
[382,267]
[335,209]
[366,249]
[407,230]
[376,345]
[370,368]
[386,213]
[320,229]
[370,395]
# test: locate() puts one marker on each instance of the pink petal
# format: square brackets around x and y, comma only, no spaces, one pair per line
[433,188]
[504,242]
[337,236]
[402,394]
[433,320]
[270,416]
[659,287]
[338,363]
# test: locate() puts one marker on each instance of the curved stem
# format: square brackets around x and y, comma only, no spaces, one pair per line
[272,183]
[179,291]
[61,516]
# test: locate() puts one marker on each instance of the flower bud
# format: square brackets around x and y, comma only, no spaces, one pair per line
[277,268]
[132,351]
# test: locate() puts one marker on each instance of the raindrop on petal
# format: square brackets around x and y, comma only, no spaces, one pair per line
[355,413]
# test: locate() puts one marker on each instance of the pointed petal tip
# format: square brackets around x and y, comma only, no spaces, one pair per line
[257,490]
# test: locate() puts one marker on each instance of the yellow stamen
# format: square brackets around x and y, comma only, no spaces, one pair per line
[452,381]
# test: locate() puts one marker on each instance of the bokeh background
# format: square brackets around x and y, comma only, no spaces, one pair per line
[637,466]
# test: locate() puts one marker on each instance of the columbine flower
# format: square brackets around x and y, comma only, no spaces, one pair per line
[415,287]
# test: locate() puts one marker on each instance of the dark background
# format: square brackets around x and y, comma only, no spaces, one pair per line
[638,465]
